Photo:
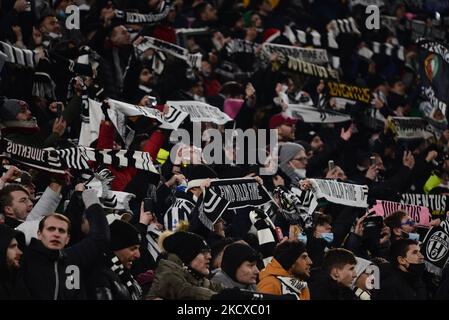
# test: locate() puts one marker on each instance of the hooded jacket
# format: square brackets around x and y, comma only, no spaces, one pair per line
[223,279]
[7,276]
[274,279]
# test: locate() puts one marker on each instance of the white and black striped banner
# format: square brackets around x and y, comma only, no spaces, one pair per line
[313,56]
[310,114]
[171,120]
[241,192]
[23,57]
[409,128]
[150,18]
[193,60]
[179,211]
[200,111]
[347,194]
[211,208]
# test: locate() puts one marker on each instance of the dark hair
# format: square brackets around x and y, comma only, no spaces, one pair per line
[199,9]
[337,258]
[322,219]
[399,248]
[394,220]
[287,252]
[42,19]
[5,194]
[56,216]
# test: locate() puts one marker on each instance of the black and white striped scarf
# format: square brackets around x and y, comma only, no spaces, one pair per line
[150,18]
[193,60]
[265,234]
[126,278]
[23,57]
[382,49]
[77,158]
[152,237]
[296,207]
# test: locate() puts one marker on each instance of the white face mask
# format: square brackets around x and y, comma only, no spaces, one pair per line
[301,172]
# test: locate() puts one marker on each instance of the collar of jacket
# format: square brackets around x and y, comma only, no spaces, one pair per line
[222,278]
[274,268]
[192,275]
[290,172]
[53,254]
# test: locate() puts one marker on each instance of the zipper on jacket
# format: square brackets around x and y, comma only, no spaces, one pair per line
[57,281]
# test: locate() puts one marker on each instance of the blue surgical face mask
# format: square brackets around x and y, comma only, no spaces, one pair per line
[181,188]
[302,237]
[328,236]
[413,236]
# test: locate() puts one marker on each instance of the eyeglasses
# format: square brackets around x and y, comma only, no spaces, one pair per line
[408,222]
[302,159]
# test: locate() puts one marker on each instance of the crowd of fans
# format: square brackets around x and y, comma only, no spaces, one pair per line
[60,237]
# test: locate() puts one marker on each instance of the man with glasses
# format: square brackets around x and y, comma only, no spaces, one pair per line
[401,226]
[293,161]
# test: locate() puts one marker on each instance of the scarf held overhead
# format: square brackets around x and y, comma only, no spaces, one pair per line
[241,192]
[77,158]
[347,194]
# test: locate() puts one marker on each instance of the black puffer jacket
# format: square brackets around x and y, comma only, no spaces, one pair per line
[48,274]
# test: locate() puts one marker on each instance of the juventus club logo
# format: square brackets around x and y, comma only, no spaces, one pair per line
[438,246]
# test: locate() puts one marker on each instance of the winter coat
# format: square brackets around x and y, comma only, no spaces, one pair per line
[273,279]
[174,281]
[45,273]
[7,276]
[323,287]
[402,285]
[106,284]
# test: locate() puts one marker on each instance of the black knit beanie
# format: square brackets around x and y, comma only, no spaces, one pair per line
[287,252]
[186,245]
[234,255]
[123,235]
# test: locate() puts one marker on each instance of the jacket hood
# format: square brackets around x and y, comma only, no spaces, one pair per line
[6,235]
[274,268]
